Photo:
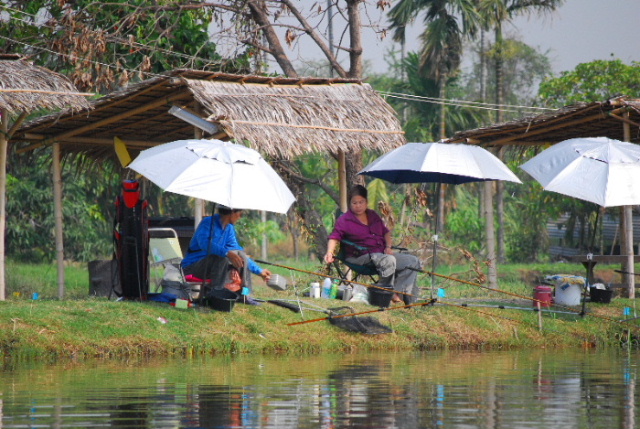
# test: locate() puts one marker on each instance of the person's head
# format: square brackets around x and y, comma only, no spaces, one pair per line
[230,215]
[358,199]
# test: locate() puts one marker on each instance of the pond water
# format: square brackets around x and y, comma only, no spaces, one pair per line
[452,389]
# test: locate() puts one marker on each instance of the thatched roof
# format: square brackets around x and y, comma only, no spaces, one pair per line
[282,117]
[598,119]
[25,87]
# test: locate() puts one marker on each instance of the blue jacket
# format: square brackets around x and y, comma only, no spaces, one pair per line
[222,241]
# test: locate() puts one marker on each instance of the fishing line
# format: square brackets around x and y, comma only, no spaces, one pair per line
[582,313]
[333,277]
[420,304]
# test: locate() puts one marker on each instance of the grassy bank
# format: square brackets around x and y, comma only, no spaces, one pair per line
[82,326]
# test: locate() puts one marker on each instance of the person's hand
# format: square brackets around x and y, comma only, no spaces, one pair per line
[235,259]
[328,257]
[266,275]
[388,251]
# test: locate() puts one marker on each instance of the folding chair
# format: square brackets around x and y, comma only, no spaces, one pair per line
[165,251]
[353,271]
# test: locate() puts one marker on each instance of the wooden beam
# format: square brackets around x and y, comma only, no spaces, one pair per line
[110,120]
[625,120]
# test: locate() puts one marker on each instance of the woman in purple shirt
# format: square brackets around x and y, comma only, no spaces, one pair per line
[364,228]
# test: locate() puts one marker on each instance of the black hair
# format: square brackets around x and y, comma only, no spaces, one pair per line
[225,211]
[358,191]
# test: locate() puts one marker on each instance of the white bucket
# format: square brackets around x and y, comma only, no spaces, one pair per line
[568,294]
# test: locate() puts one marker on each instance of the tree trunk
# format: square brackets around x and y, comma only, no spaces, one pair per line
[355,38]
[260,15]
[501,256]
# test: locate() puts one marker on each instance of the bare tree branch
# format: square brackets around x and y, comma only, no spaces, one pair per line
[330,56]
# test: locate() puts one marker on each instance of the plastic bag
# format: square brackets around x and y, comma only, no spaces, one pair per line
[360,294]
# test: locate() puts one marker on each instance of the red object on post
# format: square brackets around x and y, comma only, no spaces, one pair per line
[131,193]
[544,294]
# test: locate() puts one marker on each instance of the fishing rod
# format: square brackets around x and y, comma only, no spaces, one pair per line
[505,307]
[481,286]
[626,272]
[582,313]
[419,304]
[333,277]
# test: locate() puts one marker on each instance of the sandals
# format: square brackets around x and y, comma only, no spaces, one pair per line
[396,299]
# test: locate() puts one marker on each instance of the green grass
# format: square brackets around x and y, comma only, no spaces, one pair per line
[83,326]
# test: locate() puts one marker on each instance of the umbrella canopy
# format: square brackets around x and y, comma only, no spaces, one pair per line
[439,163]
[222,172]
[597,169]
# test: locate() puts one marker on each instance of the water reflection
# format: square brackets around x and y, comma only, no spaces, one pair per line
[569,389]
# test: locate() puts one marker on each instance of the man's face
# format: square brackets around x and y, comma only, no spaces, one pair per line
[235,217]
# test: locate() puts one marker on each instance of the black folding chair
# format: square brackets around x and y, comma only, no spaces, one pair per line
[354,270]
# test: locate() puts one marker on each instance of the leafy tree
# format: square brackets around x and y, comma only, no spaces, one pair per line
[104,45]
[524,68]
[594,81]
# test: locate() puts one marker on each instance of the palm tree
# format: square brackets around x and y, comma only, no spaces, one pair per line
[494,13]
[448,23]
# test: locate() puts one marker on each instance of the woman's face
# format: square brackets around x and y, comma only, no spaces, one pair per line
[358,204]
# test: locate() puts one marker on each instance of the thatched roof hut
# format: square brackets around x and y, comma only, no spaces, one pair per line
[25,87]
[281,117]
[597,119]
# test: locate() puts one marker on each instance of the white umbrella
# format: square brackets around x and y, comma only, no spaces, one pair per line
[439,163]
[597,169]
[222,172]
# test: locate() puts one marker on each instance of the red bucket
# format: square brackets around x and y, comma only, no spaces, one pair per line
[544,294]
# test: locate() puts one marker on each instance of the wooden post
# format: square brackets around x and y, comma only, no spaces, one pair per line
[56,171]
[539,315]
[490,231]
[342,180]
[4,126]
[198,207]
[628,231]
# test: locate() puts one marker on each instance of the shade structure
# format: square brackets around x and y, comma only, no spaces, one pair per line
[439,163]
[221,172]
[601,170]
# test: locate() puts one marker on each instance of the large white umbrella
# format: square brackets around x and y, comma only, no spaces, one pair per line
[221,172]
[597,169]
[439,163]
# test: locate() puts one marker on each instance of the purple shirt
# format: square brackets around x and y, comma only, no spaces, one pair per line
[371,236]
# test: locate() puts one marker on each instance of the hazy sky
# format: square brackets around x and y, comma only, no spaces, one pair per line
[579,31]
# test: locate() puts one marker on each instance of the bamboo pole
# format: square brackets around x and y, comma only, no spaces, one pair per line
[342,181]
[628,231]
[4,126]
[57,211]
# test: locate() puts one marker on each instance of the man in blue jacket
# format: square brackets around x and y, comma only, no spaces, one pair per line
[214,249]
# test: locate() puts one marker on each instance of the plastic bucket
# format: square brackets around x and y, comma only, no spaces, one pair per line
[600,295]
[568,294]
[380,297]
[544,294]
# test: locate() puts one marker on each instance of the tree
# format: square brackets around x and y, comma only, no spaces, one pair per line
[594,81]
[106,44]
